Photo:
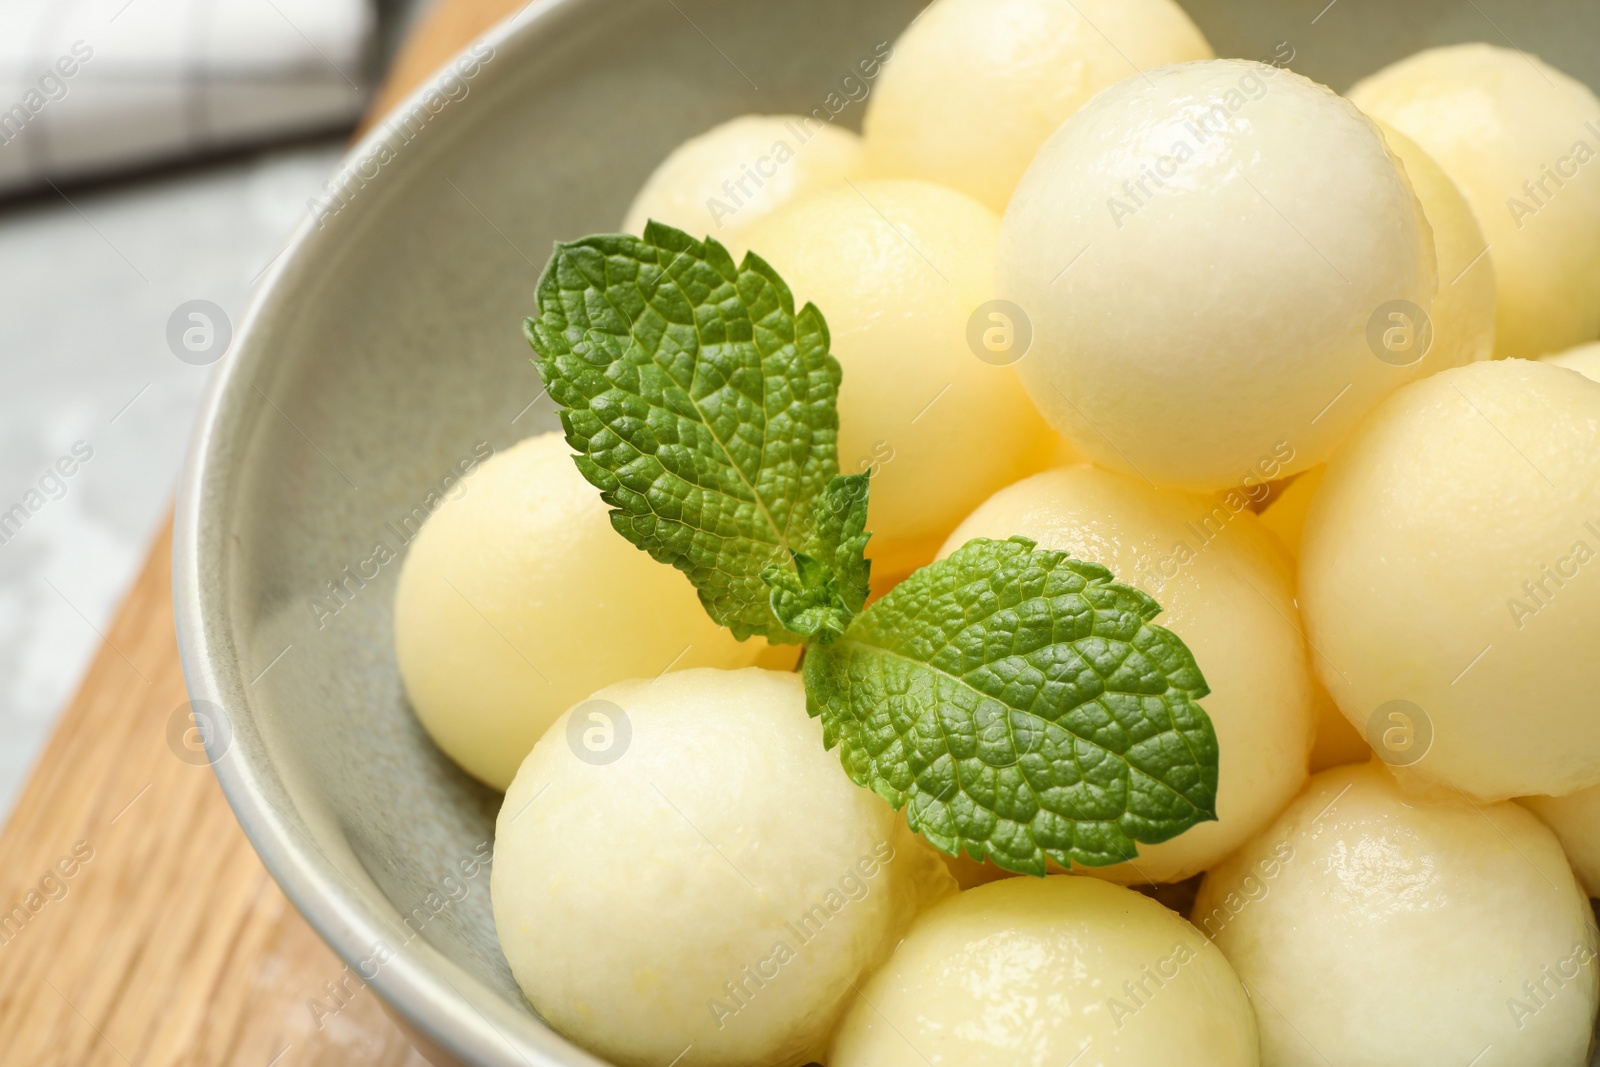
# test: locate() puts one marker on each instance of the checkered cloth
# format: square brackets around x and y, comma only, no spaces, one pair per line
[92,86]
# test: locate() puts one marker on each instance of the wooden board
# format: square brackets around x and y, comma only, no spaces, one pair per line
[137,926]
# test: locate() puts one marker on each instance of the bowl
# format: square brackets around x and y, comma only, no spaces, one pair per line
[385,350]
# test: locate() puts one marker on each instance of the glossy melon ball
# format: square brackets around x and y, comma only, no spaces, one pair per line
[726,179]
[1227,592]
[1207,254]
[1514,134]
[1446,566]
[903,273]
[1391,930]
[1585,359]
[680,862]
[1575,818]
[517,599]
[1462,316]
[974,87]
[1050,971]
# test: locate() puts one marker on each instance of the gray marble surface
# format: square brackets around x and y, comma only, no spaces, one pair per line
[88,280]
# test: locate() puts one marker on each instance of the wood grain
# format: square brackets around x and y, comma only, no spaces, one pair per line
[137,926]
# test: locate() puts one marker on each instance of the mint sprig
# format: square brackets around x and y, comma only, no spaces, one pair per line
[1022,706]
[700,403]
[829,583]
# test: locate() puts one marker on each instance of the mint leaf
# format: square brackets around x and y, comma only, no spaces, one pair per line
[830,581]
[702,406]
[1021,706]
[840,538]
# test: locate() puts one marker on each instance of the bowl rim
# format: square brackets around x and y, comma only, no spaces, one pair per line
[435,997]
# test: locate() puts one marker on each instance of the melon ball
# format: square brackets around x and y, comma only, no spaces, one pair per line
[517,599]
[903,272]
[1227,592]
[723,181]
[976,86]
[1390,930]
[1585,359]
[1445,566]
[1575,818]
[1518,137]
[1060,970]
[681,863]
[1208,255]
[1462,316]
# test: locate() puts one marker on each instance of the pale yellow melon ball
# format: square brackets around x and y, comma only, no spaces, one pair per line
[903,272]
[1585,359]
[1520,139]
[1227,592]
[725,180]
[1050,972]
[1209,255]
[974,87]
[702,875]
[1389,930]
[518,599]
[1446,565]
[1462,316]
[1575,818]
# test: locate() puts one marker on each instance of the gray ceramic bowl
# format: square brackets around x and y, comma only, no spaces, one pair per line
[386,346]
